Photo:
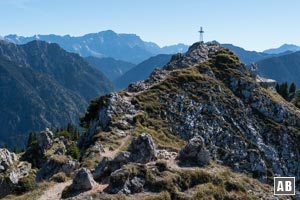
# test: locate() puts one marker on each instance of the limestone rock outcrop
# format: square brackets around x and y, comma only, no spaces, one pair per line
[142,149]
[11,171]
[56,164]
[194,153]
[122,181]
[83,181]
[6,159]
[45,139]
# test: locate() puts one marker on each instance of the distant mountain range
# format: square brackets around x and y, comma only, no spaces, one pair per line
[283,48]
[282,68]
[42,85]
[142,70]
[172,49]
[110,67]
[281,64]
[131,48]
[126,47]
[247,57]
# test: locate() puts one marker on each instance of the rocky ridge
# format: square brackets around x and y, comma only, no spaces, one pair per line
[207,93]
[181,133]
[193,56]
[12,172]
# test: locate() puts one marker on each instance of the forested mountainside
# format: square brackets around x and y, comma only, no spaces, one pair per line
[283,68]
[42,85]
[141,71]
[110,67]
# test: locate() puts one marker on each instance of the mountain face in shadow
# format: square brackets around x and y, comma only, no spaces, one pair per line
[247,57]
[110,67]
[42,85]
[284,68]
[142,70]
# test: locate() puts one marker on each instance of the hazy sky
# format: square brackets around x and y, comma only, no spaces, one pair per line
[252,24]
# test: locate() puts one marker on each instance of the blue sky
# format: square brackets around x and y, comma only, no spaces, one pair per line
[254,25]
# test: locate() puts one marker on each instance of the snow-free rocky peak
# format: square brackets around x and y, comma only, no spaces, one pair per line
[207,92]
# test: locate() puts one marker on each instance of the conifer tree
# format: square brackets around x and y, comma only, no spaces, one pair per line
[292,89]
[31,138]
[15,149]
[277,88]
[283,90]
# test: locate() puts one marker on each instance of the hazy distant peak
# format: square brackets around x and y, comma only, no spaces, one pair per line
[120,46]
[283,48]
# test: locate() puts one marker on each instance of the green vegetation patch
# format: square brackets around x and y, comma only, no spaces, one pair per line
[73,151]
[33,194]
[60,159]
[92,110]
[213,182]
[59,177]
[107,139]
[160,134]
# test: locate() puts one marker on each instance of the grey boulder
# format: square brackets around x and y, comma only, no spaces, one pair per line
[83,180]
[142,149]
[194,153]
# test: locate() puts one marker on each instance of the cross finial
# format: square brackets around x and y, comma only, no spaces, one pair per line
[201,34]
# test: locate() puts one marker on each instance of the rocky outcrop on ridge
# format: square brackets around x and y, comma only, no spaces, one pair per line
[141,150]
[47,157]
[6,159]
[197,53]
[56,164]
[11,172]
[82,181]
[208,92]
[194,153]
[44,140]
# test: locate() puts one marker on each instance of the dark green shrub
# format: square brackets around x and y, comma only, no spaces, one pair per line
[31,139]
[161,165]
[234,186]
[292,88]
[73,151]
[59,177]
[92,110]
[26,184]
[71,133]
[64,133]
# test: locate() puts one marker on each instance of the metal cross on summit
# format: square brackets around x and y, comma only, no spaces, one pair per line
[201,34]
